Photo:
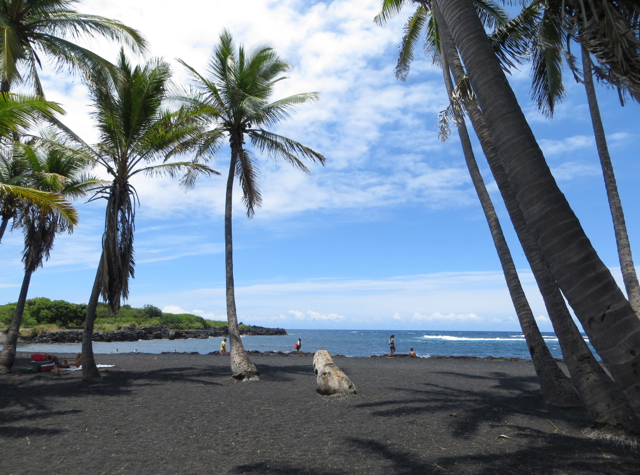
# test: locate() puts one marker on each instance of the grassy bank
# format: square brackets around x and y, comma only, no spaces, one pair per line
[42,314]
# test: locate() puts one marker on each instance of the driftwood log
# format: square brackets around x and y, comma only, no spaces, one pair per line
[331,379]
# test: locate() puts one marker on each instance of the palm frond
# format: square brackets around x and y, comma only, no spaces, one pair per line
[187,171]
[272,114]
[512,41]
[388,10]
[547,87]
[490,13]
[248,174]
[277,146]
[20,112]
[46,202]
[412,31]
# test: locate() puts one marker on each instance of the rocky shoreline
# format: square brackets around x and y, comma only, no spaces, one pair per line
[147,333]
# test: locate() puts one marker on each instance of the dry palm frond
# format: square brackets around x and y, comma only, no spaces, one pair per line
[117,241]
[609,32]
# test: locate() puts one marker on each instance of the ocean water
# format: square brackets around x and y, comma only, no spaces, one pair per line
[338,342]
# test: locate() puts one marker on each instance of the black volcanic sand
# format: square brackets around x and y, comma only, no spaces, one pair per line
[182,413]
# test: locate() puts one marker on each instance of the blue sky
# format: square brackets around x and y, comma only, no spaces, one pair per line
[389,235]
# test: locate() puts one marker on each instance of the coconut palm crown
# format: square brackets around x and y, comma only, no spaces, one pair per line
[234,96]
[35,28]
[17,190]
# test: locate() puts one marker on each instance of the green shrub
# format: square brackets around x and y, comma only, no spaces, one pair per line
[57,312]
[184,321]
[149,312]
[6,314]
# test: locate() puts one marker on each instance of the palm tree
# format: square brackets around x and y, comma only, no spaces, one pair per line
[550,31]
[135,131]
[603,399]
[54,171]
[606,404]
[605,313]
[627,266]
[235,97]
[17,113]
[556,388]
[31,28]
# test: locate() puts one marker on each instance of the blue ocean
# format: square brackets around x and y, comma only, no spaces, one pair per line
[338,342]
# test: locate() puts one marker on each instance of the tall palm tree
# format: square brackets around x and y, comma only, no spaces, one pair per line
[605,313]
[628,268]
[31,28]
[235,98]
[54,171]
[604,400]
[135,131]
[550,31]
[556,387]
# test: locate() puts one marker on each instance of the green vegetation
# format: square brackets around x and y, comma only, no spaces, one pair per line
[50,315]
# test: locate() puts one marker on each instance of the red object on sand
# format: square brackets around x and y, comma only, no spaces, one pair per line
[38,357]
[47,367]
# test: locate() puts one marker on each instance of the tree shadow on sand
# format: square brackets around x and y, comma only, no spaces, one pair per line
[34,396]
[279,468]
[550,453]
[284,373]
[471,405]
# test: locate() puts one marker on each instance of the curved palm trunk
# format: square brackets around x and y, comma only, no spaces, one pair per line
[603,399]
[90,371]
[3,226]
[241,366]
[554,384]
[622,238]
[605,313]
[8,354]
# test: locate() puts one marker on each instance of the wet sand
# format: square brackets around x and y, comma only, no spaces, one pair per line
[182,413]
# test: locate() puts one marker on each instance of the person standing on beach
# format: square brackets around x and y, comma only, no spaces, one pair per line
[392,345]
[223,347]
[298,345]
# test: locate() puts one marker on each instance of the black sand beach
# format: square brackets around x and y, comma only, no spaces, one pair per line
[179,413]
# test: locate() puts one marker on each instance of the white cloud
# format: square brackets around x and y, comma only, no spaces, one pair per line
[452,317]
[173,309]
[208,315]
[571,170]
[310,315]
[568,145]
[543,320]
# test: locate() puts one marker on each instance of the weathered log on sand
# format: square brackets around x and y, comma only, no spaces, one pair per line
[330,378]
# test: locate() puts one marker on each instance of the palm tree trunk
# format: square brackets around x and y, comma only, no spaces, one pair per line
[8,354]
[627,267]
[3,226]
[606,404]
[90,371]
[605,313]
[554,384]
[241,366]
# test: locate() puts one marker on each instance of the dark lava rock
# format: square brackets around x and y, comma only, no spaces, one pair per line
[148,333]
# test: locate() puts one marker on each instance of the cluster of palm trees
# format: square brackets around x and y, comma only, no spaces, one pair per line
[138,134]
[230,102]
[564,263]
